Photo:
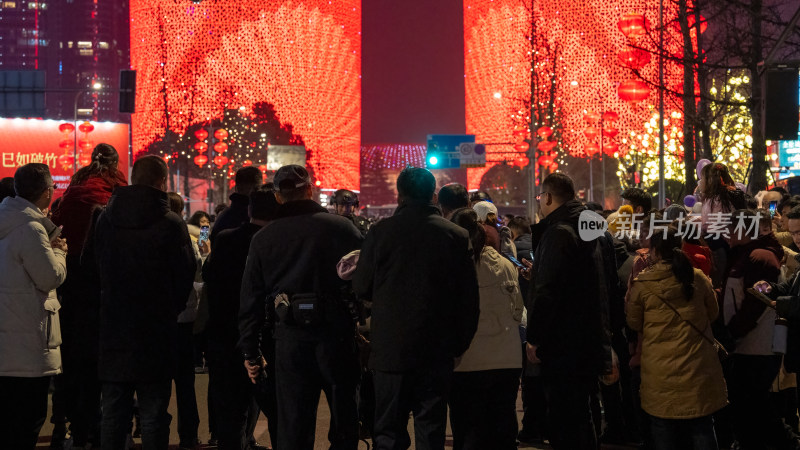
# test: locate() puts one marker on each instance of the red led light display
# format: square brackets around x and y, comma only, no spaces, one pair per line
[195,60]
[596,40]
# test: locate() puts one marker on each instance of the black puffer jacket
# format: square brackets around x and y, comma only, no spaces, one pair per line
[146,266]
[568,297]
[417,269]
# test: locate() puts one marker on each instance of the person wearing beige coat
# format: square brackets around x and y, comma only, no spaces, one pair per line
[486,377]
[682,381]
[32,266]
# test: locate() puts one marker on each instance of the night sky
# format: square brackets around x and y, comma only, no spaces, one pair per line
[412,70]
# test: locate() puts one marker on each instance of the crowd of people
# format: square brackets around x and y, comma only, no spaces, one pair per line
[656,337]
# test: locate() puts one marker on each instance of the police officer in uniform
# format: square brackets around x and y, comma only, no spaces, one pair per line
[346,205]
[291,274]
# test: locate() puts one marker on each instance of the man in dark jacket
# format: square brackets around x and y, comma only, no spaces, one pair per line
[291,274]
[416,267]
[247,179]
[146,266]
[566,331]
[231,390]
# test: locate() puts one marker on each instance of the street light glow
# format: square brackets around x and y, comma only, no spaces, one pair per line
[97,86]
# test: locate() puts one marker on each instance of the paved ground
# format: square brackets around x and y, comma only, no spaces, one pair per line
[262,435]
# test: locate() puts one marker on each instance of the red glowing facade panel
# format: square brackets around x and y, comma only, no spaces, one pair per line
[578,49]
[194,60]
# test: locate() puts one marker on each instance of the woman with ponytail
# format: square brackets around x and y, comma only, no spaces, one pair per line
[672,304]
[88,192]
[486,379]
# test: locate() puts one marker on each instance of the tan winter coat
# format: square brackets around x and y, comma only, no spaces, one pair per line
[30,271]
[496,344]
[681,373]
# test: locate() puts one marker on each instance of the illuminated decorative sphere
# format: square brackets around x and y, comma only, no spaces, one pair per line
[591,117]
[522,147]
[221,134]
[201,146]
[553,166]
[591,132]
[634,58]
[220,160]
[610,116]
[633,25]
[85,144]
[611,148]
[86,127]
[633,90]
[85,158]
[591,149]
[201,134]
[546,146]
[303,57]
[544,132]
[201,160]
[247,163]
[220,147]
[66,128]
[610,132]
[66,160]
[65,144]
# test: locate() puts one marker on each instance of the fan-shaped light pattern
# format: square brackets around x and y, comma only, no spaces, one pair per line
[587,70]
[393,156]
[304,57]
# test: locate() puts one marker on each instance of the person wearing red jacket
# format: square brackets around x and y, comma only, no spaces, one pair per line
[88,192]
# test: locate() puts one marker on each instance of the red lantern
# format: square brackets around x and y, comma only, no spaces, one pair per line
[522,161]
[85,159]
[553,167]
[633,90]
[66,160]
[610,116]
[220,161]
[546,146]
[544,132]
[262,168]
[610,132]
[66,128]
[591,149]
[85,144]
[519,134]
[703,23]
[611,148]
[591,132]
[201,134]
[591,117]
[220,147]
[65,144]
[86,127]
[201,160]
[634,58]
[247,163]
[221,134]
[545,160]
[522,147]
[201,147]
[633,25]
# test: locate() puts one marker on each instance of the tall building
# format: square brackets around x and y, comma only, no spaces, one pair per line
[77,43]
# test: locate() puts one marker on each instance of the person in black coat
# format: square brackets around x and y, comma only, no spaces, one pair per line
[417,269]
[146,267]
[567,315]
[247,180]
[291,274]
[231,390]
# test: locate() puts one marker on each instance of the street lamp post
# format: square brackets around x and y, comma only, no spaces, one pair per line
[95,87]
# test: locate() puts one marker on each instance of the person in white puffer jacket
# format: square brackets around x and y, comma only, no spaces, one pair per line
[32,266]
